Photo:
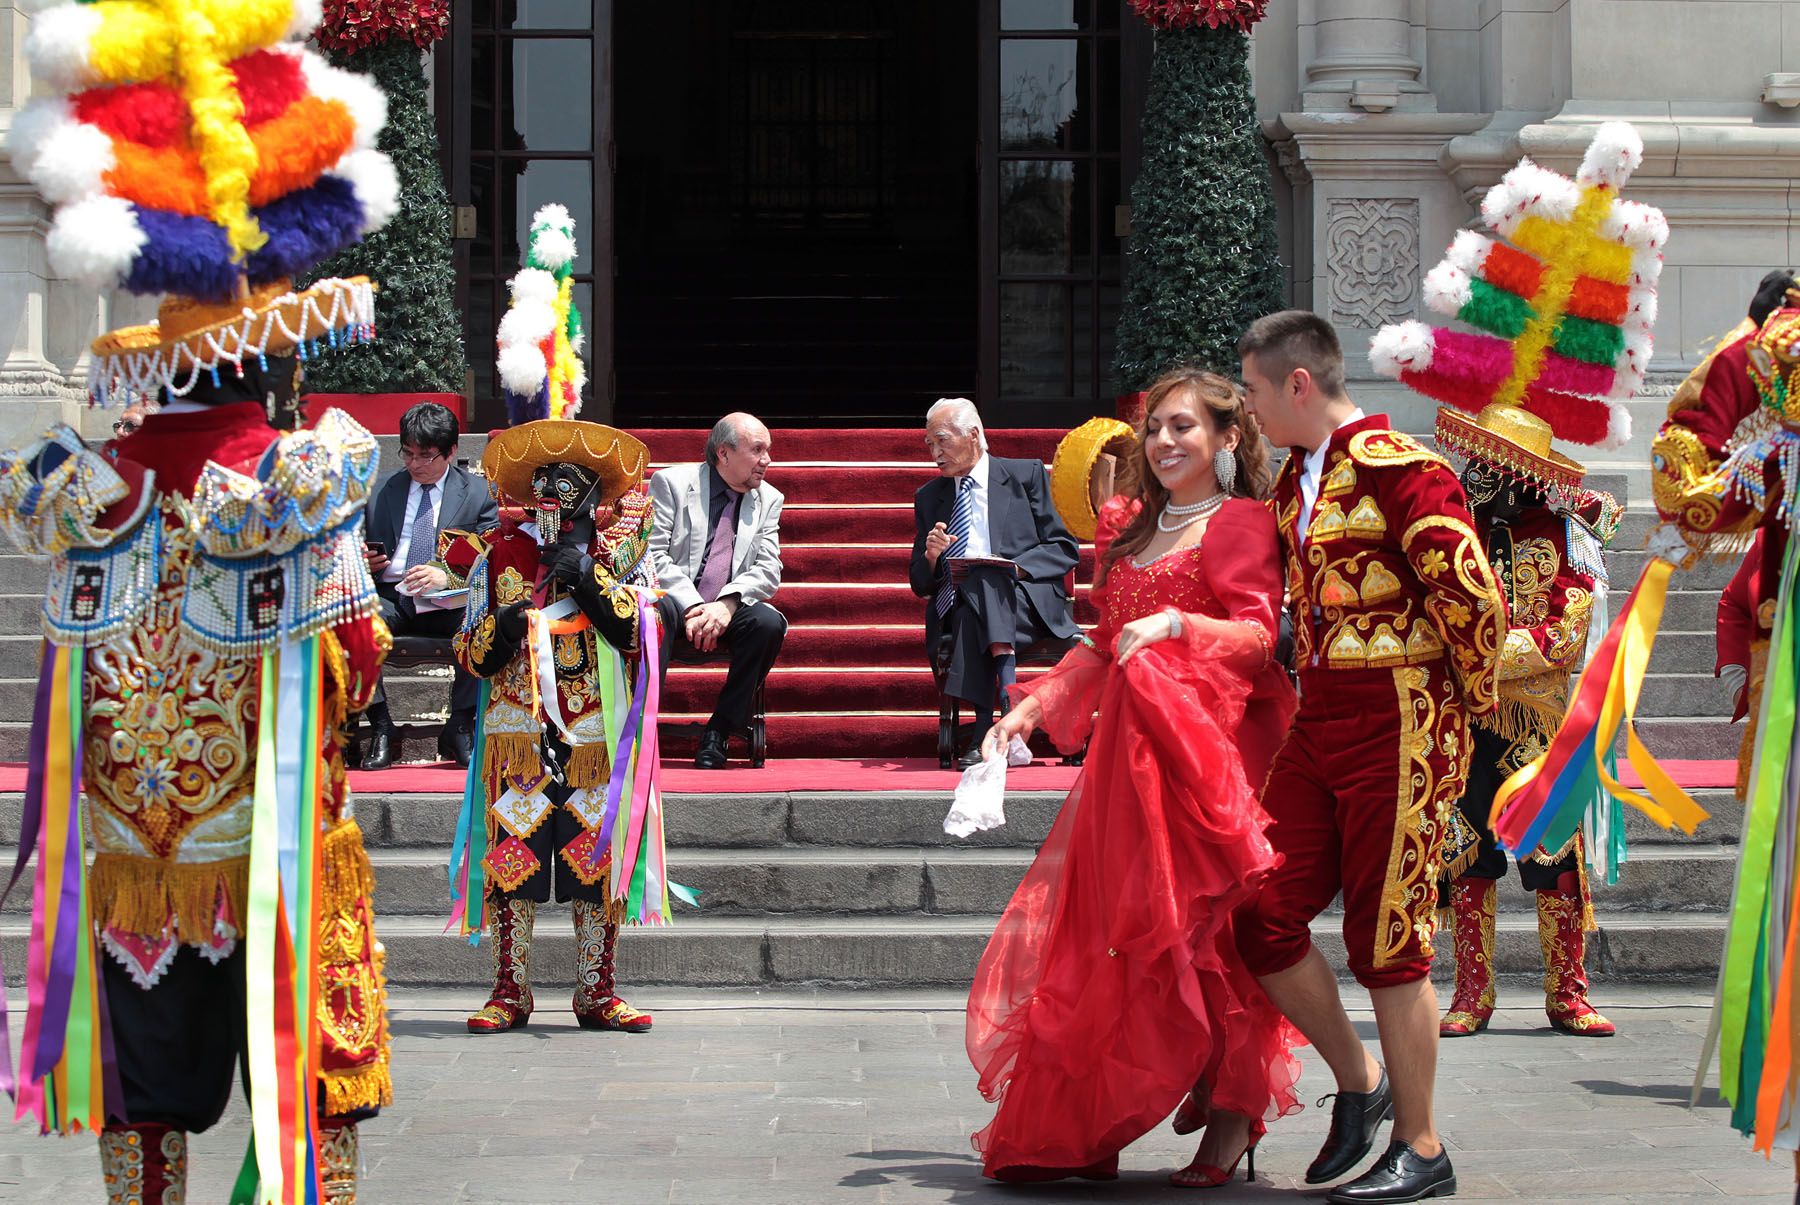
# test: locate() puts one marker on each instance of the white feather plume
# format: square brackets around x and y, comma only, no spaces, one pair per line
[1612,156]
[58,46]
[94,240]
[366,103]
[533,286]
[1403,347]
[522,369]
[376,184]
[526,325]
[1448,288]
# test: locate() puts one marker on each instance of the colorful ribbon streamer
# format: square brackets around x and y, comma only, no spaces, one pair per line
[1545,800]
[468,881]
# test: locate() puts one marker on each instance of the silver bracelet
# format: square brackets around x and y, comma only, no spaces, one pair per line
[1174,622]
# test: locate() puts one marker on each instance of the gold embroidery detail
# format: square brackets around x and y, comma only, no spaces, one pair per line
[510,587]
[1335,591]
[1431,777]
[1347,650]
[1422,643]
[1327,524]
[1385,648]
[1366,519]
[1533,574]
[1341,479]
[1379,449]
[1379,584]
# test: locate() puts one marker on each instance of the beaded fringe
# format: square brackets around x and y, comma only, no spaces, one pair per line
[346,880]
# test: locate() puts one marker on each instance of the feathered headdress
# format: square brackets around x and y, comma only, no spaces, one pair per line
[1565,297]
[540,337]
[197,148]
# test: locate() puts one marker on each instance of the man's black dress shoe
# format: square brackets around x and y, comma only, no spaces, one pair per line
[970,757]
[1401,1175]
[712,755]
[1355,1116]
[382,749]
[456,743]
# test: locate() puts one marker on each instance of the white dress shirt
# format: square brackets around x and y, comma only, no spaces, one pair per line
[1312,469]
[396,569]
[977,544]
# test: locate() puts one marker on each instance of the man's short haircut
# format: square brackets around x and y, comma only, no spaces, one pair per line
[429,425]
[725,434]
[961,414]
[1771,295]
[1294,339]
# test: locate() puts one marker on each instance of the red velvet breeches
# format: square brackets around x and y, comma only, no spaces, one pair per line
[1358,801]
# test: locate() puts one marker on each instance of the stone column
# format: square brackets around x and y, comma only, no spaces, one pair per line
[1363,60]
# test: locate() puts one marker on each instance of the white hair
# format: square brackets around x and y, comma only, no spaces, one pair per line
[961,415]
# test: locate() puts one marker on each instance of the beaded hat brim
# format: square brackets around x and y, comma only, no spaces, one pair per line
[618,460]
[1464,434]
[193,338]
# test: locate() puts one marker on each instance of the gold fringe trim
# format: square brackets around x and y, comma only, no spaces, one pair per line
[589,766]
[510,755]
[367,1087]
[147,895]
[346,874]
[1517,717]
[337,665]
[1454,870]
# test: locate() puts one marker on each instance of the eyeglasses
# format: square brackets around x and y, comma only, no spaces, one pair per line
[123,426]
[420,457]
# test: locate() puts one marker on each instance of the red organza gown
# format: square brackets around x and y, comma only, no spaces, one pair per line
[1112,983]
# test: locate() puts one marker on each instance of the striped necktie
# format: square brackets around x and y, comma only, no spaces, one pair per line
[423,544]
[960,515]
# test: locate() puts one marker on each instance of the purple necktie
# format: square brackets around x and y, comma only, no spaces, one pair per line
[717,570]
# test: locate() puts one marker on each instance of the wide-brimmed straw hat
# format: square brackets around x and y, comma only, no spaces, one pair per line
[1072,472]
[1513,440]
[194,340]
[618,460]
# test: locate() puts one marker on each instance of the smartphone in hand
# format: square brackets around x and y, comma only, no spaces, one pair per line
[375,547]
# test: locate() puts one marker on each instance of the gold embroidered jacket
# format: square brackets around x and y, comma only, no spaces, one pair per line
[1390,571]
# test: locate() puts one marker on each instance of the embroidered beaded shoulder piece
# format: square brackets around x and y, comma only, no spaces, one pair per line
[278,556]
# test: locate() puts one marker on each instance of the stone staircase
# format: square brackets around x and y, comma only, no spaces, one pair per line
[863,889]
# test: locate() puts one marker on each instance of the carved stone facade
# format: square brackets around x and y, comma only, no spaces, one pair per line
[1372,254]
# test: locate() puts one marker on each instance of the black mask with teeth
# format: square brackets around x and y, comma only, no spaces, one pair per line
[1496,496]
[565,502]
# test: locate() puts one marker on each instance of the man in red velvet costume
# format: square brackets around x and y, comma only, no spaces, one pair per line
[1398,622]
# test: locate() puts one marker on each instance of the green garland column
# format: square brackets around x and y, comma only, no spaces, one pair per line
[418,344]
[1204,260]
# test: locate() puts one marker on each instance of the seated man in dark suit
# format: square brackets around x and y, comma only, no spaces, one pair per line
[430,493]
[715,542]
[984,506]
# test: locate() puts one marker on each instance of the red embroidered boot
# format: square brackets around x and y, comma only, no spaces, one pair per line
[510,932]
[338,1156]
[1472,924]
[596,1007]
[144,1164]
[1564,940]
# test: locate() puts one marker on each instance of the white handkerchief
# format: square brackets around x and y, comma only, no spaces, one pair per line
[980,801]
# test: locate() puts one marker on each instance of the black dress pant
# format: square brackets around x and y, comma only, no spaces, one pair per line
[752,641]
[991,607]
[1486,774]
[403,619]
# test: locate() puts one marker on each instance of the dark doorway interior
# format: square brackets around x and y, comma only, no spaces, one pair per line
[796,209]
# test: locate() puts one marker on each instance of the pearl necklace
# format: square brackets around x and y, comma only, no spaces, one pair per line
[1194,512]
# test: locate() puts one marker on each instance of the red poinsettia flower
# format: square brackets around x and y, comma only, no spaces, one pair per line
[1180,14]
[352,25]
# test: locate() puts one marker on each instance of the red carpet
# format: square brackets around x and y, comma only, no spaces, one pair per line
[845,774]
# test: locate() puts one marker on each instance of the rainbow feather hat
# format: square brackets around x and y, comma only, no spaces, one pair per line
[540,337]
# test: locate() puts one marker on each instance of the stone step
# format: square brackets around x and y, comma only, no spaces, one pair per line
[892,952]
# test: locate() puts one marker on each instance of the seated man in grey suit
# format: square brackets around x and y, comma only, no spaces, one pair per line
[430,493]
[715,542]
[986,506]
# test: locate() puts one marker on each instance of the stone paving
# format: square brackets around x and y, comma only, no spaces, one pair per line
[867,1097]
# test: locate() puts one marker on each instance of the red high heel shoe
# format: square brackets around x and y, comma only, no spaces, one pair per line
[1205,1175]
[1191,1114]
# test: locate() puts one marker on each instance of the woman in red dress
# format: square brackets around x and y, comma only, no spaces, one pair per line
[1112,985]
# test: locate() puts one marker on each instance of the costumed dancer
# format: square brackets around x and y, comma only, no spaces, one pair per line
[1398,628]
[1112,985]
[209,621]
[563,799]
[1725,470]
[1544,535]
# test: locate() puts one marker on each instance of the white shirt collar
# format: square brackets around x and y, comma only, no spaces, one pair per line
[979,474]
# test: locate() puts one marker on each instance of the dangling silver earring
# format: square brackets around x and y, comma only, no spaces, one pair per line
[1225,469]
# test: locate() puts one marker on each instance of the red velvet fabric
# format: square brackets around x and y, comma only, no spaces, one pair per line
[1112,982]
[177,446]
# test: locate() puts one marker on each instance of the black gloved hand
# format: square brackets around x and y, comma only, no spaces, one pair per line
[509,621]
[566,563]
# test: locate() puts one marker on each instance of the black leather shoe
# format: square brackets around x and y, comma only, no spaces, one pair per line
[456,743]
[1355,1116]
[382,749]
[1401,1175]
[970,757]
[712,755]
